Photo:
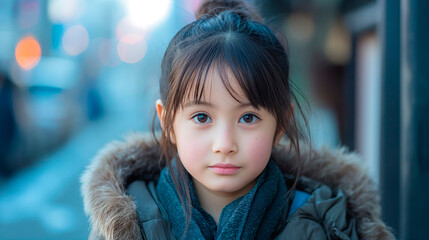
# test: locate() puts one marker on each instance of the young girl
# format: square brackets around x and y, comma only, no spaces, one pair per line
[220,169]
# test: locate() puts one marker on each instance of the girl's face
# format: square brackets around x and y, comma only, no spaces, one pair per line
[222,143]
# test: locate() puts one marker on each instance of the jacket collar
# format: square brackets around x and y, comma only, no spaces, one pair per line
[113,213]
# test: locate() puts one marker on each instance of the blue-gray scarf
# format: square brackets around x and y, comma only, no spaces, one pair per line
[254,215]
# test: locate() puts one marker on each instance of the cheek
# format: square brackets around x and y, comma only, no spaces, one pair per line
[259,148]
[191,147]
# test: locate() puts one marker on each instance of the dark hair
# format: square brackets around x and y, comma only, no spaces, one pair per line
[226,36]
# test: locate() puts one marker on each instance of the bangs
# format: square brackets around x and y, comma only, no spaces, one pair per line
[230,55]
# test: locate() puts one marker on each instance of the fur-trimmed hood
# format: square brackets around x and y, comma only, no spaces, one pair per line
[113,214]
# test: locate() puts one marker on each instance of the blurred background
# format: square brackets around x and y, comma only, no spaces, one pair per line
[75,75]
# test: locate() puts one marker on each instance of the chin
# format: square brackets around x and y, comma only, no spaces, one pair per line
[226,188]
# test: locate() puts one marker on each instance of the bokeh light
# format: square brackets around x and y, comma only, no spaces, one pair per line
[131,48]
[301,26]
[338,44]
[125,27]
[60,11]
[29,13]
[145,14]
[75,40]
[28,52]
[191,6]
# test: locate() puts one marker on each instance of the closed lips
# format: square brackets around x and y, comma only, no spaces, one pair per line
[222,165]
[224,169]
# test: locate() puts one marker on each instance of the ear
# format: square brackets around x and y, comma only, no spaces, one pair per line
[159,110]
[279,134]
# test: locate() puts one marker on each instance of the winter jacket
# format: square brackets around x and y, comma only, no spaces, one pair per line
[339,198]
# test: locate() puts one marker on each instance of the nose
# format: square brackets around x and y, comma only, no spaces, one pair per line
[225,141]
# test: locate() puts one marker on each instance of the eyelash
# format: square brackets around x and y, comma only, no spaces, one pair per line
[195,117]
[255,118]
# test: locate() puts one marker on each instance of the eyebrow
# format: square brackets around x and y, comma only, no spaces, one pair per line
[193,103]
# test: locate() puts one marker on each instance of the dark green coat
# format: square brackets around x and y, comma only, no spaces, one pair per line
[343,201]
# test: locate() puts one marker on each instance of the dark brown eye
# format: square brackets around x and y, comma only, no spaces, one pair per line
[248,118]
[201,118]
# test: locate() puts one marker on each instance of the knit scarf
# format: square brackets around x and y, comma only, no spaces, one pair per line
[254,215]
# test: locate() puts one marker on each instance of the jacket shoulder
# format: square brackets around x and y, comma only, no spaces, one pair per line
[153,219]
[339,169]
[323,215]
[111,211]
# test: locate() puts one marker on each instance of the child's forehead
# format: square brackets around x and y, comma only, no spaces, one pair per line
[215,81]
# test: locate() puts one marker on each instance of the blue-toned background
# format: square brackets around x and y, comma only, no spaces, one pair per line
[76,74]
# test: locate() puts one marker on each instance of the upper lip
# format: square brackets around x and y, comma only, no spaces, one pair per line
[224,165]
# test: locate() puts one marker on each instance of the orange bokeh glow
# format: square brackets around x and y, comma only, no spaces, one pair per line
[28,52]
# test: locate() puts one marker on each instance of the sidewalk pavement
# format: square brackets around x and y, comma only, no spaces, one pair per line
[44,201]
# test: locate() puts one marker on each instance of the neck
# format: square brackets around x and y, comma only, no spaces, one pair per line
[213,202]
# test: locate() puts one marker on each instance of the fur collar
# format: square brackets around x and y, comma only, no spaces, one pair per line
[113,214]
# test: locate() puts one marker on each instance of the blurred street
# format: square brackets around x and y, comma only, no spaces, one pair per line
[44,201]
